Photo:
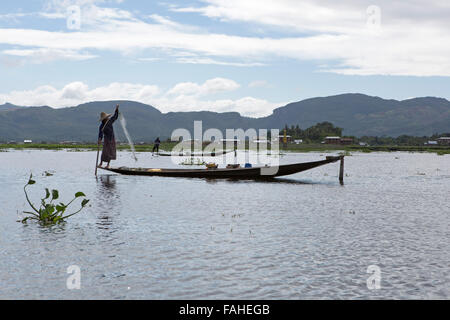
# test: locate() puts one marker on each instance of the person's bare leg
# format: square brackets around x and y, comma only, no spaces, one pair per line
[107,166]
[100,165]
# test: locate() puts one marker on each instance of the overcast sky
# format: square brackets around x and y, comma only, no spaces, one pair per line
[222,55]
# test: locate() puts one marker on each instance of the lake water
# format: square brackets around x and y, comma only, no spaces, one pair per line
[301,237]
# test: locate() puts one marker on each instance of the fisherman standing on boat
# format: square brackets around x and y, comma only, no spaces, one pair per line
[156,146]
[106,131]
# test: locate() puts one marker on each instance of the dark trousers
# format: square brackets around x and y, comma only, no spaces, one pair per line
[156,147]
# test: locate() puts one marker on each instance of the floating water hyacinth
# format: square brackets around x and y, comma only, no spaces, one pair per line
[50,213]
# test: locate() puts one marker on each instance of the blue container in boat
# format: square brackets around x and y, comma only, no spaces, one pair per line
[248,165]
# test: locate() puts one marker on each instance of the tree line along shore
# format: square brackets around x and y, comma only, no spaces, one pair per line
[321,137]
[290,147]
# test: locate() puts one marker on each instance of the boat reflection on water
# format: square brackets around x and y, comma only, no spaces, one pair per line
[282,181]
[108,200]
[108,182]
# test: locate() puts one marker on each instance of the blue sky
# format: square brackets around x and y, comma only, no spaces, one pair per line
[221,55]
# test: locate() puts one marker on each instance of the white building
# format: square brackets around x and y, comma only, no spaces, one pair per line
[444,140]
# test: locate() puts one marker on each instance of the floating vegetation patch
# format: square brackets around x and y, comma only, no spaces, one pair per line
[48,174]
[50,213]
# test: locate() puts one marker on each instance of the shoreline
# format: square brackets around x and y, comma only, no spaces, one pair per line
[302,148]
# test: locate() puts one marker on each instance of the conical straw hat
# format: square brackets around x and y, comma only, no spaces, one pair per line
[104,116]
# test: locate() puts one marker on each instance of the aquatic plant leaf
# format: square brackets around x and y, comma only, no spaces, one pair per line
[31,213]
[61,207]
[49,209]
[47,193]
[31,181]
[79,194]
[55,194]
[84,202]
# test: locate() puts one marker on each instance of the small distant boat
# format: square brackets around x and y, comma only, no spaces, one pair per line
[235,173]
[193,154]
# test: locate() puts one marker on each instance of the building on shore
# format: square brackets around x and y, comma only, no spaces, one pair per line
[346,141]
[338,140]
[281,138]
[444,141]
[332,140]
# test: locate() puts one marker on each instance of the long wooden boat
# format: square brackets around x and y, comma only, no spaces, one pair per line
[238,173]
[194,154]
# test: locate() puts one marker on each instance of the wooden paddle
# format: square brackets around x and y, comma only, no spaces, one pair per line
[96,162]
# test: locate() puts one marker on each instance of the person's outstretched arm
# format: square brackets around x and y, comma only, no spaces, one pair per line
[116,115]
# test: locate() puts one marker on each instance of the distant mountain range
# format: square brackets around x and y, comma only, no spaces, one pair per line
[357,114]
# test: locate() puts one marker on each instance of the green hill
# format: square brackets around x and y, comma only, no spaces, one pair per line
[358,114]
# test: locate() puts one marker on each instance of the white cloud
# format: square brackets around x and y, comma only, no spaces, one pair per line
[413,38]
[75,91]
[78,92]
[329,16]
[285,14]
[165,21]
[200,60]
[187,96]
[210,86]
[13,16]
[42,55]
[246,106]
